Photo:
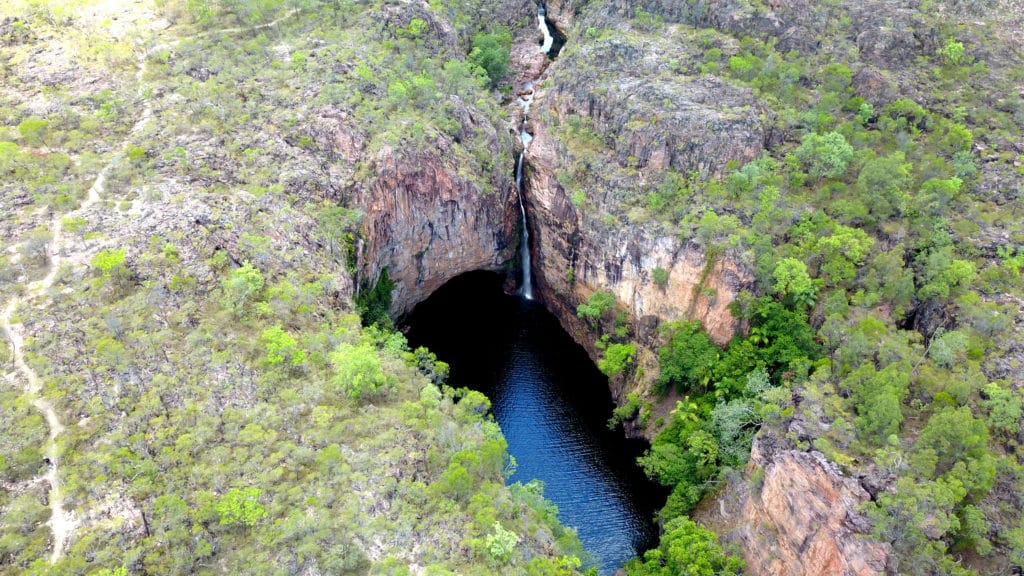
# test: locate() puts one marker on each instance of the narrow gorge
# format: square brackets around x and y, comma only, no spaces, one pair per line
[507,287]
[559,225]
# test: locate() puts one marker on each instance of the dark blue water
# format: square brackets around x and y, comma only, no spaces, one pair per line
[552,404]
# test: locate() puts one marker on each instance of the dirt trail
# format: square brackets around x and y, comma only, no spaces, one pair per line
[62,522]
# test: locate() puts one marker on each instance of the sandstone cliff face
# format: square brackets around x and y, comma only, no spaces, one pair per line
[803,519]
[582,193]
[427,217]
[650,121]
[427,224]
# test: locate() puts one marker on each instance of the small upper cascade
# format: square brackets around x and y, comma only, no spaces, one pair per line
[542,23]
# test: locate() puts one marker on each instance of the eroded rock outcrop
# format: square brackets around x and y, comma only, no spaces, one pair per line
[804,518]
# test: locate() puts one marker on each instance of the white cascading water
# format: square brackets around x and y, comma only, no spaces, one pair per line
[543,25]
[526,289]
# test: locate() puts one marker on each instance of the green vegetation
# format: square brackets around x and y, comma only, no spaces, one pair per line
[689,550]
[660,277]
[108,261]
[617,359]
[825,156]
[880,236]
[226,410]
[491,53]
[596,307]
[374,305]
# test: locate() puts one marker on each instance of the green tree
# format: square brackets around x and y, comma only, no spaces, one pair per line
[241,507]
[878,399]
[33,130]
[793,282]
[241,288]
[953,435]
[281,347]
[686,549]
[491,51]
[1005,408]
[843,252]
[825,155]
[688,361]
[953,52]
[617,359]
[501,544]
[108,261]
[358,372]
[882,186]
[374,305]
[660,277]
[596,306]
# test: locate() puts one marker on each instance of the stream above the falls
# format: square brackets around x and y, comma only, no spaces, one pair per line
[552,405]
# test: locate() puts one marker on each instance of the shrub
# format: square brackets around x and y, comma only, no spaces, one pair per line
[882,185]
[240,507]
[241,287]
[281,347]
[953,52]
[33,130]
[688,360]
[108,261]
[686,548]
[660,277]
[358,372]
[374,305]
[501,544]
[491,51]
[826,155]
[792,281]
[617,359]
[596,306]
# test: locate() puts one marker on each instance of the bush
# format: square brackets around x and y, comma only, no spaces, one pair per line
[492,53]
[240,507]
[689,549]
[501,544]
[826,156]
[660,277]
[358,371]
[688,360]
[241,287]
[617,359]
[374,306]
[882,186]
[108,261]
[599,302]
[953,52]
[792,281]
[281,347]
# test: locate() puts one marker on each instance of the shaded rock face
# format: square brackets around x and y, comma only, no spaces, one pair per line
[654,123]
[427,224]
[804,520]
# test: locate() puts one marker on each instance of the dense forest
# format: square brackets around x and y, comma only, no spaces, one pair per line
[202,370]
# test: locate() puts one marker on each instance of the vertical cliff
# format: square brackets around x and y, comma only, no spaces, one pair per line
[612,120]
[427,223]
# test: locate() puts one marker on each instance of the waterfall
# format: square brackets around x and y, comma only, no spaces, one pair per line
[524,101]
[543,25]
[526,288]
